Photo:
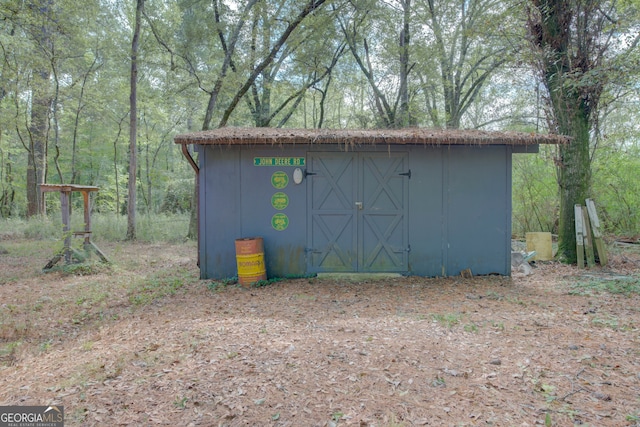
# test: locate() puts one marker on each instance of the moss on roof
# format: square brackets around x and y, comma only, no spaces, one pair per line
[352,137]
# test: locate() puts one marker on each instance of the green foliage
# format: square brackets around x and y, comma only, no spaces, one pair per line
[471,328]
[150,228]
[105,227]
[178,197]
[262,283]
[438,382]
[610,322]
[37,227]
[616,190]
[218,285]
[633,418]
[82,269]
[448,319]
[535,193]
[180,402]
[180,63]
[8,350]
[627,286]
[151,289]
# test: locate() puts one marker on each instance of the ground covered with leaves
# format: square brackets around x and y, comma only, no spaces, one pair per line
[144,342]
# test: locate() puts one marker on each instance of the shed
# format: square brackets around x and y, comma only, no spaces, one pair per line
[411,201]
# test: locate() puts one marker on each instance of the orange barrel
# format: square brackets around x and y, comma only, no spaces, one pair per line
[250,260]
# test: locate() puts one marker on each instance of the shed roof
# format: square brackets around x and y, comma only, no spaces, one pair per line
[406,136]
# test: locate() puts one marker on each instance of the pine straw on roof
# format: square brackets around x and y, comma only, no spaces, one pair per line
[407,136]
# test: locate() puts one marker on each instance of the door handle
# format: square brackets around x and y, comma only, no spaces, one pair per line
[359,205]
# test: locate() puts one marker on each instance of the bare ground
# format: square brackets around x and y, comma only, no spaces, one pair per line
[143,342]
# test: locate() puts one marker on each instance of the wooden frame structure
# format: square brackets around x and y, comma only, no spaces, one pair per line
[67,251]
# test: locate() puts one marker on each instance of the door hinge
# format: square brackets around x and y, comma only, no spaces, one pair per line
[407,174]
[306,173]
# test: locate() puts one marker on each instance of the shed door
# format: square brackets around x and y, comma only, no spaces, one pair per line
[357,212]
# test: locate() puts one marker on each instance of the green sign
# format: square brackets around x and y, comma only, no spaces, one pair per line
[279,221]
[279,180]
[280,200]
[278,161]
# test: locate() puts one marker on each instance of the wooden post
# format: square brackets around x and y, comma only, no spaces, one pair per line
[588,240]
[65,206]
[579,236]
[87,222]
[597,235]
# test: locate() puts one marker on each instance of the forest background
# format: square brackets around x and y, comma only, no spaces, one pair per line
[93,94]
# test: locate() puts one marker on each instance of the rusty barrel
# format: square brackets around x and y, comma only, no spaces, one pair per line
[250,260]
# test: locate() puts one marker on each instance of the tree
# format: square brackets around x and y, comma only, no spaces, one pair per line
[38,24]
[470,44]
[308,57]
[49,79]
[573,42]
[390,100]
[133,124]
[219,64]
[270,55]
[444,52]
[222,56]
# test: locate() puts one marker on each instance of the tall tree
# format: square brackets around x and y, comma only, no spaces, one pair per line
[40,27]
[133,124]
[212,47]
[307,58]
[224,58]
[469,44]
[573,42]
[270,55]
[390,99]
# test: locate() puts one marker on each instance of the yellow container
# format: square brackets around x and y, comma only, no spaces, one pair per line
[250,260]
[541,243]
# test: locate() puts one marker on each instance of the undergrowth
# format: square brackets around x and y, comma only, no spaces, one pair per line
[158,286]
[217,285]
[105,227]
[626,286]
[82,269]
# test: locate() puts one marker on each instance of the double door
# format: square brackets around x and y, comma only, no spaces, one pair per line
[357,206]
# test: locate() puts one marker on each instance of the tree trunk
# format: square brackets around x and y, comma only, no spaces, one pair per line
[40,111]
[133,126]
[311,6]
[192,234]
[574,166]
[39,130]
[229,49]
[8,192]
[403,118]
[569,52]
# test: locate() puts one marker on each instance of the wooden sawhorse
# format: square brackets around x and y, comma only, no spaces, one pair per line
[65,206]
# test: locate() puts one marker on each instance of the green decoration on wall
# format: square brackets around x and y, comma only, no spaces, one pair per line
[279,180]
[280,200]
[279,221]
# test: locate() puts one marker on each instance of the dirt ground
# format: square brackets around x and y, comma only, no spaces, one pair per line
[143,342]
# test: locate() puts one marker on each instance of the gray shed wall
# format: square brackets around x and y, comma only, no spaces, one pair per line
[458,208]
